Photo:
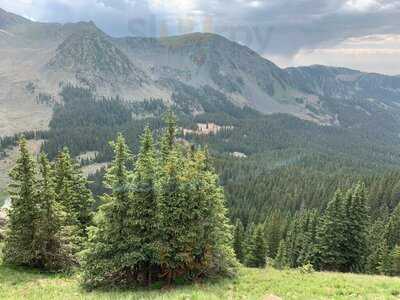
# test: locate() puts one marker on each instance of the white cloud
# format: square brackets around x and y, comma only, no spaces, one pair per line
[362,5]
[255,4]
[174,7]
[375,53]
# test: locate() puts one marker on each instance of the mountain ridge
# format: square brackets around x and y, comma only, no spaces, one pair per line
[8,19]
[138,68]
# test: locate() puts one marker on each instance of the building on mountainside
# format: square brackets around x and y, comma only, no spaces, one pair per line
[238,154]
[205,129]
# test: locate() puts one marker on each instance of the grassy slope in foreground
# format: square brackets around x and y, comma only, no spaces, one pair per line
[250,284]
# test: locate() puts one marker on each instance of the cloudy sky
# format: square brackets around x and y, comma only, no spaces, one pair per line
[361,34]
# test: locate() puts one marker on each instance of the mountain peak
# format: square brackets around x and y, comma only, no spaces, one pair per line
[90,53]
[209,41]
[194,38]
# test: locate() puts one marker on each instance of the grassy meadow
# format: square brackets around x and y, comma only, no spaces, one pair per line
[20,283]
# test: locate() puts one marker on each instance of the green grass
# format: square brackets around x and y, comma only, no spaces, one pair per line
[17,283]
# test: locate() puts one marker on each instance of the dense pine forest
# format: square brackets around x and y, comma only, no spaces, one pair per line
[300,195]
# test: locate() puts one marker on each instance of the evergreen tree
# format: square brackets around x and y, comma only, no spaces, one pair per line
[293,241]
[377,244]
[248,236]
[65,195]
[168,138]
[144,205]
[342,239]
[19,247]
[332,236]
[172,217]
[72,192]
[385,264]
[64,178]
[214,252]
[281,260]
[238,240]
[395,261]
[83,204]
[393,229]
[52,237]
[308,237]
[217,256]
[111,257]
[256,257]
[273,234]
[195,234]
[356,230]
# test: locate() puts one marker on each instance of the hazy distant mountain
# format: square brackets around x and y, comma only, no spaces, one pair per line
[346,84]
[8,19]
[36,59]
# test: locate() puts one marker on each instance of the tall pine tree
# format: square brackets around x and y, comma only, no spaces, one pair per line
[307,242]
[144,206]
[281,260]
[332,236]
[356,231]
[238,240]
[392,234]
[111,257]
[20,246]
[257,253]
[72,192]
[167,142]
[214,252]
[52,238]
[376,236]
[273,233]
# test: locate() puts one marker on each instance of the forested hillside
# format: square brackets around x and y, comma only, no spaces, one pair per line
[290,164]
[300,195]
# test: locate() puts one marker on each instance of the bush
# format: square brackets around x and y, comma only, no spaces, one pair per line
[306,269]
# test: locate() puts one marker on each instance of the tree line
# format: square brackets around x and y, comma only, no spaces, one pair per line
[343,238]
[291,164]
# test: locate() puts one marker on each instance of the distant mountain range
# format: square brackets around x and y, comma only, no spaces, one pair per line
[37,59]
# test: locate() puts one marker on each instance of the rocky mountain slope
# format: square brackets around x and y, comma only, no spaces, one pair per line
[37,59]
[92,60]
[207,59]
